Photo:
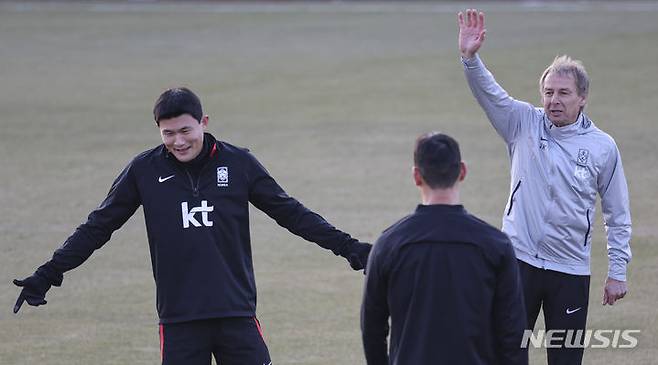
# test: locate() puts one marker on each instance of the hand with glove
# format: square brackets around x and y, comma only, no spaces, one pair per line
[34,290]
[356,254]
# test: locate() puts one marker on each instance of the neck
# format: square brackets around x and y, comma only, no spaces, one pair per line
[563,124]
[448,196]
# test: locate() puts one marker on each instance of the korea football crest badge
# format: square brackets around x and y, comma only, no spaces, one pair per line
[583,157]
[222,176]
[582,172]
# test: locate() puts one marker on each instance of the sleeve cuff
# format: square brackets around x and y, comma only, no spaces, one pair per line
[617,271]
[472,62]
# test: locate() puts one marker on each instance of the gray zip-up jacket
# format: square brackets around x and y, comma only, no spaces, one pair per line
[555,175]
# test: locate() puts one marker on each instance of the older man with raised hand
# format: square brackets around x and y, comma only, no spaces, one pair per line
[559,162]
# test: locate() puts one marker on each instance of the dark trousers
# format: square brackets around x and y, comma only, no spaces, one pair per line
[232,341]
[564,299]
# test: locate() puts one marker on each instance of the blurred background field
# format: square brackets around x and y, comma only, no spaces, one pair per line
[330,96]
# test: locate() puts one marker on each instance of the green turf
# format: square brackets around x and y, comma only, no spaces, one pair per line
[330,98]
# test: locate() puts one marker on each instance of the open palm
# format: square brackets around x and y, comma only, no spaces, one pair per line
[471,32]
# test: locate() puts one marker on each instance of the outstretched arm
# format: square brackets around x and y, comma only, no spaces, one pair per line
[507,115]
[266,195]
[119,205]
[471,32]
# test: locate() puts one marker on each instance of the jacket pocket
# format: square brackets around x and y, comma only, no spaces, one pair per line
[589,226]
[511,199]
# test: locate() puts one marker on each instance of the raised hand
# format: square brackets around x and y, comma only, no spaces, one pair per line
[471,32]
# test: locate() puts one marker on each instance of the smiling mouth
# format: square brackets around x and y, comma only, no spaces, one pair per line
[182,150]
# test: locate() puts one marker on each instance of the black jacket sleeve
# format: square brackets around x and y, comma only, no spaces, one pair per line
[374,309]
[509,320]
[266,195]
[119,205]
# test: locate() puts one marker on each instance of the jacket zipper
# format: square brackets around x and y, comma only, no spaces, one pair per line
[195,188]
[589,224]
[511,199]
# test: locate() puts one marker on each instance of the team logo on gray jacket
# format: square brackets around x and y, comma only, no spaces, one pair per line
[222,176]
[583,157]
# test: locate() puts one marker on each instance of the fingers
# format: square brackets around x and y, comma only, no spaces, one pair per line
[19,302]
[470,21]
[474,19]
[35,301]
[28,295]
[612,299]
[609,298]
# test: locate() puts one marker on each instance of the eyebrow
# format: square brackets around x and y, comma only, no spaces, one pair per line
[177,130]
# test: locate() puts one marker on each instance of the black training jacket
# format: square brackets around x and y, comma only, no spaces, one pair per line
[198,228]
[450,284]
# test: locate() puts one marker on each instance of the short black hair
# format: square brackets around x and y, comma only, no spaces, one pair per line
[438,159]
[175,102]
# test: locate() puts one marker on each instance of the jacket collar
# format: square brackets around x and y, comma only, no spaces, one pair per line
[440,208]
[582,125]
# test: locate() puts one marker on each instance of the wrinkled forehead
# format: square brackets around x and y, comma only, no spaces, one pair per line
[556,80]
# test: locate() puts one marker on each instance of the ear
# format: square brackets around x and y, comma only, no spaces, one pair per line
[204,122]
[583,101]
[462,171]
[418,180]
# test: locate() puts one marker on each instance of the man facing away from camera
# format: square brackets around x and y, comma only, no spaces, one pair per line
[195,192]
[559,162]
[448,281]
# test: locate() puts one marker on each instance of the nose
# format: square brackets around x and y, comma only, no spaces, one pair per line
[178,140]
[555,99]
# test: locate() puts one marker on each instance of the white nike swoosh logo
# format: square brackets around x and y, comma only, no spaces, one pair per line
[569,311]
[163,179]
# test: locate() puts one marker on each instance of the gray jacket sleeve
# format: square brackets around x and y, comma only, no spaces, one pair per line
[615,206]
[507,115]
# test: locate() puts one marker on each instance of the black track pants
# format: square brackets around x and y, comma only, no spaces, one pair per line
[564,299]
[232,341]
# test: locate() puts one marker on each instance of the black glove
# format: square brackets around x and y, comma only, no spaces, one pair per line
[356,254]
[34,291]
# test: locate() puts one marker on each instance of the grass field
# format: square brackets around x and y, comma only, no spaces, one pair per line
[330,97]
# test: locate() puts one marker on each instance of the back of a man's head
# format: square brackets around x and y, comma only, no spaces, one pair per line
[175,102]
[438,159]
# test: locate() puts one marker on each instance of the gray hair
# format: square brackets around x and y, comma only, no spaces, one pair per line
[566,66]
